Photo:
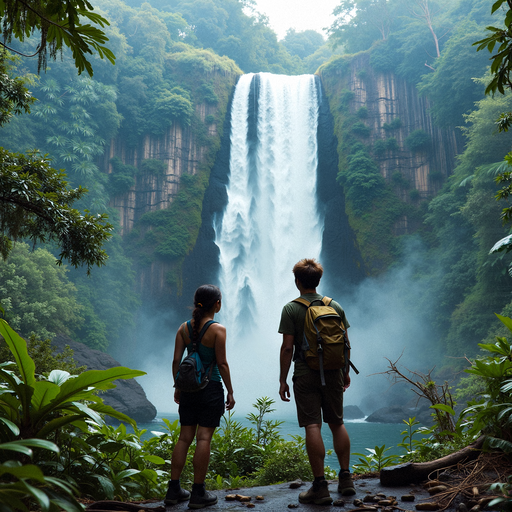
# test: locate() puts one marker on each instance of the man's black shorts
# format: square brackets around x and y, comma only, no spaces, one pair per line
[204,408]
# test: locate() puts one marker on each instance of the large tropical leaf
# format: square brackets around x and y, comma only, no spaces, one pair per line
[18,347]
[504,244]
[44,393]
[98,379]
[22,471]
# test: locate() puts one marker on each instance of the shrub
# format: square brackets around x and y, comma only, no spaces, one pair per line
[435,176]
[362,113]
[379,146]
[418,140]
[153,166]
[392,144]
[393,125]
[414,194]
[361,129]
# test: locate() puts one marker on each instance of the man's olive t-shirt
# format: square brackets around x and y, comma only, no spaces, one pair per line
[292,322]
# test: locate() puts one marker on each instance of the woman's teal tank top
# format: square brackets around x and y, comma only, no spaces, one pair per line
[207,355]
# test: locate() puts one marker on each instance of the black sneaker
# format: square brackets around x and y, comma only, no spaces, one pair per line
[173,496]
[200,501]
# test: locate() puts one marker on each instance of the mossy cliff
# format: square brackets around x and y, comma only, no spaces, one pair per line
[391,156]
[161,178]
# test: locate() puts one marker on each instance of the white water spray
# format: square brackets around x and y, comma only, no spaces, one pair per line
[271,221]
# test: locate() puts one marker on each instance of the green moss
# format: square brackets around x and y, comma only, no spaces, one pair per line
[393,125]
[153,166]
[418,140]
[373,208]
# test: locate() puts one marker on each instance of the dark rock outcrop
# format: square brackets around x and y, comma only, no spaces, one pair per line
[352,412]
[128,397]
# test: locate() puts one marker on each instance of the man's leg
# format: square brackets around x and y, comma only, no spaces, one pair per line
[319,491]
[315,448]
[341,444]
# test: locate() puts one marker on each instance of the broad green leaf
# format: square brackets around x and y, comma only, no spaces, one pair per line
[155,459]
[127,473]
[40,496]
[12,426]
[57,423]
[99,379]
[20,448]
[507,321]
[443,407]
[18,346]
[26,471]
[44,393]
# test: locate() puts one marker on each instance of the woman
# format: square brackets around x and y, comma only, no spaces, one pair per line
[200,412]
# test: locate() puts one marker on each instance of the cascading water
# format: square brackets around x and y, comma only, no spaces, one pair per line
[271,220]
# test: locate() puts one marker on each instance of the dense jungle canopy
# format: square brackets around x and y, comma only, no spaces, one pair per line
[169,56]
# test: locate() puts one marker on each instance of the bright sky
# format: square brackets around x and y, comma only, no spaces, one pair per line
[298,14]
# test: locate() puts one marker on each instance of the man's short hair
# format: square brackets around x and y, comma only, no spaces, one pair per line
[308,272]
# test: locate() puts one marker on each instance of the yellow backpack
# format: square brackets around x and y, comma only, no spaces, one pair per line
[325,345]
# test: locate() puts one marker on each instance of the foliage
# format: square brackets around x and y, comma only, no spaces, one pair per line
[375,460]
[35,203]
[54,408]
[42,352]
[303,44]
[36,294]
[15,98]
[121,179]
[492,413]
[505,489]
[60,24]
[22,483]
[501,66]
[418,140]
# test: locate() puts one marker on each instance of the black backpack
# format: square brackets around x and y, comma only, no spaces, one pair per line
[192,374]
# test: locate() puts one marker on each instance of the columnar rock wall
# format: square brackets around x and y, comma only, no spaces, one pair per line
[389,99]
[181,153]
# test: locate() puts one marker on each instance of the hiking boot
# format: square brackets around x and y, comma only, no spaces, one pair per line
[317,494]
[201,500]
[173,496]
[346,484]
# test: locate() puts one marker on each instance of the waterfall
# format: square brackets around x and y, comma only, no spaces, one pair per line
[271,220]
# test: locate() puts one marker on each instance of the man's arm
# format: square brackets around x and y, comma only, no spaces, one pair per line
[285,360]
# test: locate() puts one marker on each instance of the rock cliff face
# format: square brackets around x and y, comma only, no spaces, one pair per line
[179,150]
[183,150]
[127,397]
[394,110]
[391,156]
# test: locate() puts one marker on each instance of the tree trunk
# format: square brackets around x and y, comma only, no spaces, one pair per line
[415,472]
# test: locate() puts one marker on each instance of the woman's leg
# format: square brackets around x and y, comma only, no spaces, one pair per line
[202,454]
[179,454]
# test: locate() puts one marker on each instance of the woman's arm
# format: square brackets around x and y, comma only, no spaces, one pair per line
[179,349]
[222,363]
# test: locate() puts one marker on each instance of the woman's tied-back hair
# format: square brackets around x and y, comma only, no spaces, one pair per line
[308,272]
[205,298]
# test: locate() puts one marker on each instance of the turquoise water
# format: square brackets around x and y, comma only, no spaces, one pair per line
[362,435]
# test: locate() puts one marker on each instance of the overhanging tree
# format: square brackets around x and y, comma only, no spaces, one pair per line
[59,23]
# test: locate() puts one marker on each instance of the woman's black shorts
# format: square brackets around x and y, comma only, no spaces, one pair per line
[204,408]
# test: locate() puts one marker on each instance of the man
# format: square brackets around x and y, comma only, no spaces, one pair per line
[311,398]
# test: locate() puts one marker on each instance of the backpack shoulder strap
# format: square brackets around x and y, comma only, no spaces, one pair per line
[326,300]
[201,334]
[302,301]
[204,329]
